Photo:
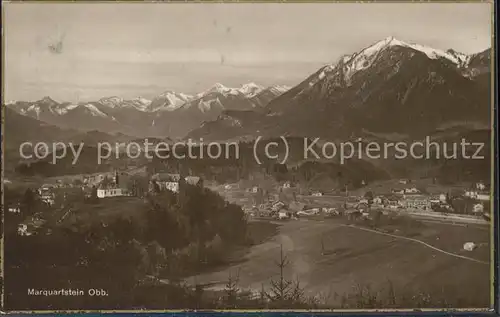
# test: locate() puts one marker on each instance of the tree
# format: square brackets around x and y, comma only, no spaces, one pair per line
[297,293]
[156,187]
[29,201]
[369,197]
[231,291]
[281,287]
[284,292]
[262,296]
[157,256]
[377,216]
[93,195]
[259,197]
[107,181]
[196,296]
[280,172]
[449,200]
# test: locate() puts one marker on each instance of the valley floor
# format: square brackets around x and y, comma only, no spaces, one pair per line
[330,258]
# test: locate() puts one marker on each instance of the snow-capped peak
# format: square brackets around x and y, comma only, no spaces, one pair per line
[282,88]
[184,96]
[247,90]
[167,93]
[250,89]
[94,111]
[111,101]
[61,110]
[169,101]
[47,98]
[250,85]
[219,88]
[463,59]
[138,103]
[207,105]
[279,89]
[323,71]
[377,47]
[365,58]
[48,101]
[143,101]
[455,57]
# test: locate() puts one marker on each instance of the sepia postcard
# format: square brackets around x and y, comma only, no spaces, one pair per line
[247,156]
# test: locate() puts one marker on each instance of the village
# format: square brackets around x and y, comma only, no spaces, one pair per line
[313,225]
[290,201]
[63,192]
[265,199]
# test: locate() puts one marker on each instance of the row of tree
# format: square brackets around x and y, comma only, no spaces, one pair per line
[175,235]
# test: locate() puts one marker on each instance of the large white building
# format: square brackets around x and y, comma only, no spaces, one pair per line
[167,181]
[46,194]
[117,188]
[111,192]
[172,186]
[479,195]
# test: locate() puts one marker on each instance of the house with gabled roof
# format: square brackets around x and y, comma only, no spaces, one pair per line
[167,181]
[194,180]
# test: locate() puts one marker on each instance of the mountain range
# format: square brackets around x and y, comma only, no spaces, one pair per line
[388,88]
[389,91]
[20,129]
[169,114]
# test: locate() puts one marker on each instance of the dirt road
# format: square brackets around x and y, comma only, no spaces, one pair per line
[329,258]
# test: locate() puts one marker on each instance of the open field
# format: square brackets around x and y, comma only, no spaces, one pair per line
[103,211]
[353,256]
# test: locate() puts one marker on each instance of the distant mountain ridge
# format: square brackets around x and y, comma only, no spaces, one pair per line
[168,114]
[390,90]
[19,129]
[388,87]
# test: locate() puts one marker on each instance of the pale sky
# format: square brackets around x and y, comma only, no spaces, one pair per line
[143,49]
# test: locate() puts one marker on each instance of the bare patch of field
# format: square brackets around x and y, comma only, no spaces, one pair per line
[330,259]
